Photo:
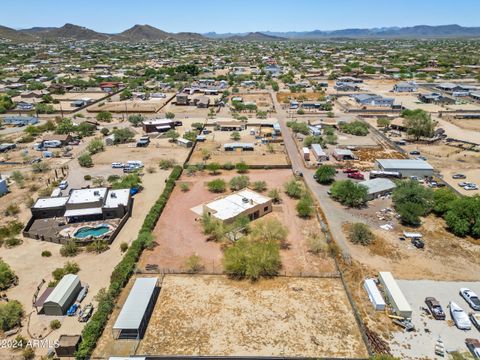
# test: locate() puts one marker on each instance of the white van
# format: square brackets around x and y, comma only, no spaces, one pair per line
[135,163]
[52,144]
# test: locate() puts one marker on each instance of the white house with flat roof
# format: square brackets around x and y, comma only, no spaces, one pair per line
[242,203]
[406,167]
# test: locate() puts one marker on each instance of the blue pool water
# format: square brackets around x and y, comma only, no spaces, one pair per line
[91,231]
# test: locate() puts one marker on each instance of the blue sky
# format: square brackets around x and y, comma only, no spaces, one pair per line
[238,16]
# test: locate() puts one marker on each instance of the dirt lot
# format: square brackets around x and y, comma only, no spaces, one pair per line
[179,235]
[211,315]
[153,105]
[285,97]
[262,100]
[467,124]
[262,155]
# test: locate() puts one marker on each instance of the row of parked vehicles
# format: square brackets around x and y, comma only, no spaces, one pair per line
[459,316]
[85,313]
[129,166]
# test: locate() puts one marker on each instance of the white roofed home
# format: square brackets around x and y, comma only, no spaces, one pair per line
[242,203]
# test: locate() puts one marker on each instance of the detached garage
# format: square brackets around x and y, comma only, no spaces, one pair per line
[63,296]
[133,318]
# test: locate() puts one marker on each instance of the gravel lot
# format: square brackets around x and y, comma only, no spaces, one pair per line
[420,342]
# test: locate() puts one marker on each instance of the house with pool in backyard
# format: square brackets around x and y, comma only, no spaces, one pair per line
[84,215]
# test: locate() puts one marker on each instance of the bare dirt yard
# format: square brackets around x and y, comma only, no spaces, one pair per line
[263,154]
[179,233]
[285,97]
[212,315]
[132,106]
[262,100]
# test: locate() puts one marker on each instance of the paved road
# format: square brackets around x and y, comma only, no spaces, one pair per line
[334,213]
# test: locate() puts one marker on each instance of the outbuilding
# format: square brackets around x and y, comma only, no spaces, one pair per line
[374,294]
[63,296]
[343,154]
[133,318]
[319,153]
[407,167]
[396,299]
[378,187]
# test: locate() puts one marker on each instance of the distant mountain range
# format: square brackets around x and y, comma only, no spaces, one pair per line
[150,33]
[419,31]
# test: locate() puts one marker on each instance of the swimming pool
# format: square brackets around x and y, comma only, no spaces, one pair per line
[92,231]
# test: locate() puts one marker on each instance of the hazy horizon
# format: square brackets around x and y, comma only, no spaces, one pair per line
[111,16]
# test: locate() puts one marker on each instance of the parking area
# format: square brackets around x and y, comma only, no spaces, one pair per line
[420,344]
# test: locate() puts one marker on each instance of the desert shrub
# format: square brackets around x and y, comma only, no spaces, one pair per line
[55,324]
[11,229]
[166,164]
[228,166]
[69,249]
[123,247]
[274,194]
[7,276]
[269,230]
[184,187]
[217,186]
[87,177]
[213,168]
[259,186]
[95,146]
[12,210]
[194,263]
[241,167]
[316,244]
[40,167]
[349,193]
[358,128]
[84,160]
[325,174]
[239,182]
[10,314]
[294,189]
[214,228]
[113,178]
[361,234]
[305,208]
[46,253]
[252,260]
[97,246]
[12,242]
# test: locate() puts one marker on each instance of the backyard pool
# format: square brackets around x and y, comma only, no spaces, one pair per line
[92,231]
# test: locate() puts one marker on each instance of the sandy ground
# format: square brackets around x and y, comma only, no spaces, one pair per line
[179,235]
[151,105]
[262,100]
[211,315]
[259,156]
[95,269]
[467,124]
[421,342]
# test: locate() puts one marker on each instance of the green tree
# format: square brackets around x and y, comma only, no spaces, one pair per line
[217,186]
[325,174]
[95,146]
[443,199]
[267,230]
[172,135]
[412,200]
[7,276]
[419,123]
[85,160]
[294,189]
[252,260]
[349,193]
[65,127]
[310,139]
[239,182]
[383,122]
[357,128]
[213,167]
[105,116]
[123,135]
[126,94]
[11,313]
[235,135]
[463,216]
[274,194]
[241,167]
[85,129]
[136,119]
[305,207]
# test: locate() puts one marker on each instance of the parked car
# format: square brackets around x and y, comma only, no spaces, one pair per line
[415,152]
[418,243]
[86,313]
[435,308]
[117,165]
[63,184]
[421,158]
[72,310]
[356,175]
[81,295]
[471,187]
[458,176]
[36,160]
[130,169]
[462,184]
[471,298]
[143,141]
[475,319]
[348,171]
[459,317]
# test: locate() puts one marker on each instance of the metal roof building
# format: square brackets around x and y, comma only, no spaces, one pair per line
[397,300]
[63,296]
[407,167]
[378,187]
[133,318]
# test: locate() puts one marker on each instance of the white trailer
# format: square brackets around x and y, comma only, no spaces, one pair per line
[306,154]
[397,300]
[374,295]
